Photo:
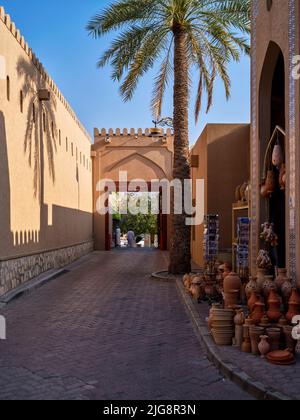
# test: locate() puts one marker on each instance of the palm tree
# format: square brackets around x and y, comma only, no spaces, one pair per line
[184,35]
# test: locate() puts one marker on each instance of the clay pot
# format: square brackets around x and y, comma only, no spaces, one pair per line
[290,343]
[261,274]
[274,338]
[239,335]
[232,282]
[282,322]
[263,189]
[239,318]
[277,156]
[270,182]
[265,322]
[281,278]
[294,305]
[282,177]
[286,290]
[274,303]
[257,312]
[251,287]
[231,299]
[212,314]
[255,333]
[254,298]
[268,286]
[264,346]
[246,346]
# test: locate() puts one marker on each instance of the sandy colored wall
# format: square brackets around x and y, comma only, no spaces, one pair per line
[275,26]
[141,156]
[46,180]
[224,163]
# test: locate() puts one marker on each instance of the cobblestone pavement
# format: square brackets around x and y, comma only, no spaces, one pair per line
[106,330]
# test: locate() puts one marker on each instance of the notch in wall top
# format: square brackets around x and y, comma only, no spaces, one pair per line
[132,132]
[6,19]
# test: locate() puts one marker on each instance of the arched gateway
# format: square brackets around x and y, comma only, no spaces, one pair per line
[141,155]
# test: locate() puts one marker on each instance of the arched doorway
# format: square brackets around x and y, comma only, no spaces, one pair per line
[271,115]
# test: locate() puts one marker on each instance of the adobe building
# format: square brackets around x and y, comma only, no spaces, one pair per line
[44,152]
[221,157]
[142,155]
[275,121]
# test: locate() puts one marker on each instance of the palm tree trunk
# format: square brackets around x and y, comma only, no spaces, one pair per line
[180,252]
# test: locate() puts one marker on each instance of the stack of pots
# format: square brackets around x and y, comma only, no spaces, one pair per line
[223,326]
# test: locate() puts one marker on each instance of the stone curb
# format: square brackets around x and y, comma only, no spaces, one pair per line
[165,276]
[228,369]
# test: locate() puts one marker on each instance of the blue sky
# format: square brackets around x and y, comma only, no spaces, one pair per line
[55,30]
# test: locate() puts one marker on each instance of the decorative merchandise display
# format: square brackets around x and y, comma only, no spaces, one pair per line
[211,239]
[281,278]
[243,240]
[264,260]
[294,305]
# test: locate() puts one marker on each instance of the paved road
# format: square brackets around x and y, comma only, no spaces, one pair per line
[106,330]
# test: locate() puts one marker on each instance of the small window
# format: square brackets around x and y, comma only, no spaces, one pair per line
[83,160]
[72,149]
[80,157]
[44,122]
[77,154]
[59,137]
[33,113]
[21,101]
[67,145]
[52,129]
[8,88]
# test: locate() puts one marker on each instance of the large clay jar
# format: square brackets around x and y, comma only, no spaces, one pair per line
[277,156]
[282,177]
[257,312]
[254,298]
[294,305]
[281,278]
[251,287]
[264,346]
[290,343]
[286,291]
[274,338]
[270,182]
[232,282]
[274,304]
[255,333]
[268,286]
[231,299]
[261,276]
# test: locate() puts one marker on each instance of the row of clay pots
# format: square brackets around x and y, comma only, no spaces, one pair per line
[222,325]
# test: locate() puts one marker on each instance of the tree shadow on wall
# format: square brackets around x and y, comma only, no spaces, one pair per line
[41,130]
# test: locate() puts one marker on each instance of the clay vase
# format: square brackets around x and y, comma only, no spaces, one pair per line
[274,338]
[261,274]
[277,156]
[232,282]
[246,346]
[257,312]
[270,182]
[286,291]
[282,177]
[274,304]
[251,287]
[264,346]
[255,333]
[290,343]
[254,298]
[268,286]
[239,318]
[294,305]
[281,278]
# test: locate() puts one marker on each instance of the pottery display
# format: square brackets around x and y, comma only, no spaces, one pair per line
[270,182]
[294,305]
[231,298]
[254,298]
[286,291]
[223,327]
[251,287]
[255,333]
[264,346]
[268,286]
[274,338]
[232,282]
[274,304]
[281,357]
[264,260]
[282,322]
[290,342]
[258,312]
[277,156]
[265,322]
[281,278]
[261,273]
[211,314]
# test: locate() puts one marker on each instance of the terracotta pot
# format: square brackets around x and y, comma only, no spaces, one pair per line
[264,346]
[257,312]
[212,314]
[239,318]
[268,286]
[290,343]
[231,298]
[261,276]
[239,335]
[274,304]
[265,322]
[281,278]
[274,338]
[282,322]
[282,177]
[232,282]
[251,287]
[277,156]
[255,333]
[286,291]
[246,346]
[254,298]
[270,182]
[294,305]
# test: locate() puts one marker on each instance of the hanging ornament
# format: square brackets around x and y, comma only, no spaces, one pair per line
[277,155]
